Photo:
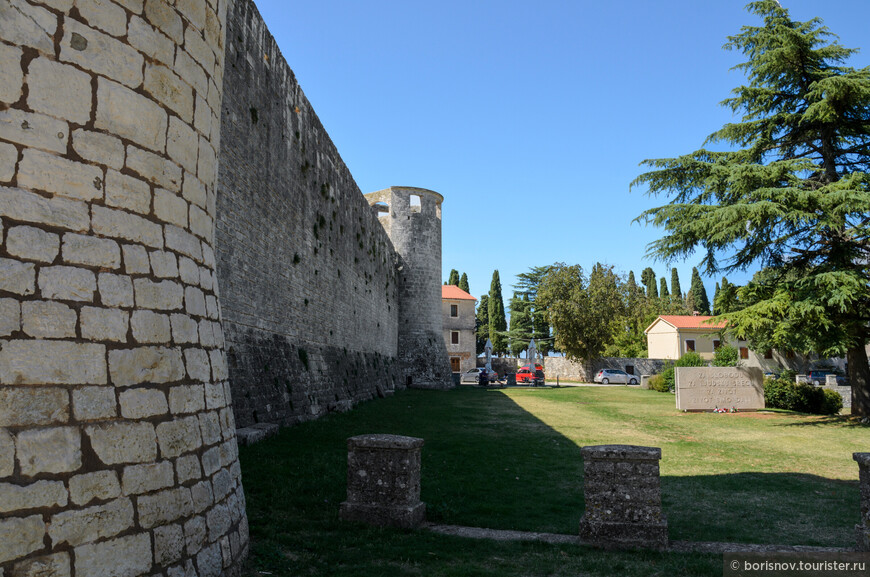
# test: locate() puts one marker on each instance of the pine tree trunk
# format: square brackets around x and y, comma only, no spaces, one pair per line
[859,377]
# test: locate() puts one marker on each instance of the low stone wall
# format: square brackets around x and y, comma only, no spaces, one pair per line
[568,370]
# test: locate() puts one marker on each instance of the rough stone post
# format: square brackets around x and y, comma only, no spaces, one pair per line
[117,443]
[623,497]
[862,530]
[383,481]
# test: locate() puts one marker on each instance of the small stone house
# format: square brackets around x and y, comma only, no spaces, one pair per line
[457,313]
[672,336]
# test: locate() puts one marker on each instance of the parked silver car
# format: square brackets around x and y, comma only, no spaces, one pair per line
[473,376]
[607,376]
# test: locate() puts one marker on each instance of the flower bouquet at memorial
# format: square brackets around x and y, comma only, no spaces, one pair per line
[718,410]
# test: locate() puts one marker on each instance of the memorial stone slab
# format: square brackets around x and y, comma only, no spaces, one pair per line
[709,388]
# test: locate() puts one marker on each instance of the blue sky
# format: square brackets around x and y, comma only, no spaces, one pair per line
[530,118]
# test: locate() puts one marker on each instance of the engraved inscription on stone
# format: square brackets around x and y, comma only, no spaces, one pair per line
[708,388]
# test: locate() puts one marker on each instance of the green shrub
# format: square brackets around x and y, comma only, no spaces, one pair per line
[802,397]
[725,356]
[690,359]
[657,383]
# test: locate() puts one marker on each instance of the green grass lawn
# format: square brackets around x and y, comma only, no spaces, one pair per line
[510,459]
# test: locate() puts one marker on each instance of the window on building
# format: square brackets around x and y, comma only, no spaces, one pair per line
[744,352]
[629,369]
[454,364]
[690,345]
[454,310]
[416,203]
[768,354]
[716,344]
[454,338]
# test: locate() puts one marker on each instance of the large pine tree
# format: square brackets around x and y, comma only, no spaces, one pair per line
[497,320]
[791,193]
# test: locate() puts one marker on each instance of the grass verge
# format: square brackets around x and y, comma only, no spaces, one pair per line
[510,459]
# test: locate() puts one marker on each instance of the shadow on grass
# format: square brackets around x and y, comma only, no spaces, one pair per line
[817,421]
[487,462]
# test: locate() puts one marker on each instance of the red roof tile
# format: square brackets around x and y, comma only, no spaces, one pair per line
[449,291]
[692,322]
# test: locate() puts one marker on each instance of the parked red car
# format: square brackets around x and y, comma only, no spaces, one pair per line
[525,375]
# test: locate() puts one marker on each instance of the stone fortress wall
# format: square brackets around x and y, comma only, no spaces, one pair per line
[119,355]
[309,289]
[117,441]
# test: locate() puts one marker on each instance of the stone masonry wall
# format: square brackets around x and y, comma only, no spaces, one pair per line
[307,275]
[117,441]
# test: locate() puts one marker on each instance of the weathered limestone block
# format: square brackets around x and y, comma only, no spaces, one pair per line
[149,477]
[91,251]
[55,450]
[11,77]
[79,526]
[119,224]
[33,129]
[17,277]
[186,399]
[32,243]
[29,406]
[124,442]
[623,497]
[56,211]
[101,149]
[93,50]
[91,486]
[10,317]
[43,171]
[142,403]
[36,362]
[159,170]
[164,295]
[145,365]
[164,507]
[8,159]
[48,320]
[42,494]
[115,290]
[57,565]
[168,544]
[125,556]
[59,90]
[7,454]
[94,403]
[179,436]
[67,283]
[21,536]
[150,327]
[104,324]
[383,481]
[164,264]
[862,530]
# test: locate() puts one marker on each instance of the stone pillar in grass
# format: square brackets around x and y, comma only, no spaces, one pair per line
[117,444]
[383,481]
[862,530]
[623,497]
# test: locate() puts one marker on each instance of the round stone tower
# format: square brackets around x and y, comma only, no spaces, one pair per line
[412,218]
[117,444]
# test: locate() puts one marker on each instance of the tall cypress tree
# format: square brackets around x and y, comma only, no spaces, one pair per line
[497,320]
[463,283]
[648,278]
[482,323]
[453,278]
[675,284]
[699,294]
[663,288]
[716,297]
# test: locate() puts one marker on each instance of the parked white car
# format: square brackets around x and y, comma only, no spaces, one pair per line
[473,375]
[607,376]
